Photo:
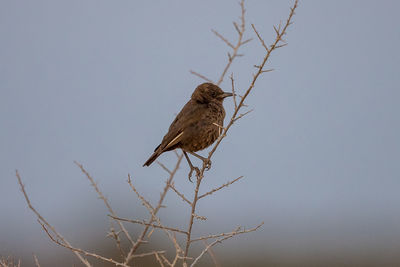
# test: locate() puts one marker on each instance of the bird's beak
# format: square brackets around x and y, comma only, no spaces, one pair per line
[225,94]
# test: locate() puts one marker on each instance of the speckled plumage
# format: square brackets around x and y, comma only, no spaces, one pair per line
[196,126]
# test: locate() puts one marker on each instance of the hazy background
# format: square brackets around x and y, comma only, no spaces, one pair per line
[100,81]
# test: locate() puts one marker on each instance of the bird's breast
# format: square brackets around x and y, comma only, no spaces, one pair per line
[203,133]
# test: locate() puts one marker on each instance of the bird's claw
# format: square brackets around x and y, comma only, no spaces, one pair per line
[207,164]
[191,171]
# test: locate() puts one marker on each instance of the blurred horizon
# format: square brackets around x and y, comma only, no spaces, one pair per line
[99,83]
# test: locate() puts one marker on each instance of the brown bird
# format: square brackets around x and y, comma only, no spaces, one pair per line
[196,126]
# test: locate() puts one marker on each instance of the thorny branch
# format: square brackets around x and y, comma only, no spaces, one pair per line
[234,47]
[151,210]
[81,251]
[201,76]
[148,224]
[172,186]
[212,255]
[220,187]
[235,232]
[43,221]
[156,209]
[224,237]
[154,221]
[277,43]
[102,197]
[115,236]
[240,30]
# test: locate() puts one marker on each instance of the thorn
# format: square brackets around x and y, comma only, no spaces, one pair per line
[243,114]
[223,38]
[276,30]
[201,76]
[246,41]
[259,38]
[269,70]
[237,28]
[279,46]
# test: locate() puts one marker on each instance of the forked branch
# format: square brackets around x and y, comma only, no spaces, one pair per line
[277,43]
[141,238]
[234,48]
[43,221]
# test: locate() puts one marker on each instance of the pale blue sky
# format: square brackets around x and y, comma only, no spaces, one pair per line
[100,81]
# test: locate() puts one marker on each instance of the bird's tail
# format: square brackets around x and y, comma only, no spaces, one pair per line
[152,158]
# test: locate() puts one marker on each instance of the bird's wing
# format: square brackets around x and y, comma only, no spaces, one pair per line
[174,141]
[190,113]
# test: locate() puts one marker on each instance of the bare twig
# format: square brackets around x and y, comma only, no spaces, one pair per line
[166,260]
[227,236]
[208,247]
[106,203]
[233,91]
[44,221]
[235,48]
[156,209]
[234,233]
[154,217]
[164,167]
[255,76]
[192,214]
[149,254]
[242,115]
[159,260]
[148,224]
[78,250]
[182,196]
[259,38]
[268,70]
[115,236]
[145,203]
[223,38]
[246,41]
[212,255]
[201,76]
[220,187]
[36,261]
[237,231]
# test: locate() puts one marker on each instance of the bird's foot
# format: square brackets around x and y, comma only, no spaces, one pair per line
[206,163]
[191,171]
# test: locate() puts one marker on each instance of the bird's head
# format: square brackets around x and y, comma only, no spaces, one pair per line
[208,92]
